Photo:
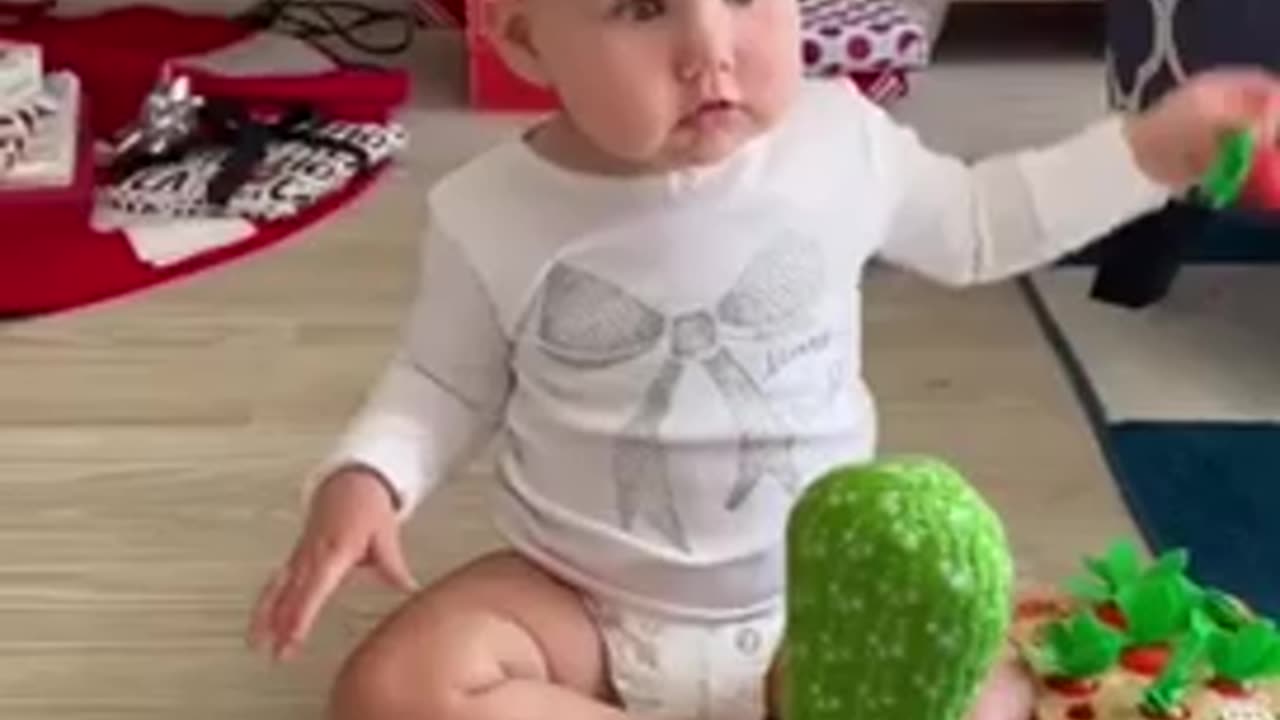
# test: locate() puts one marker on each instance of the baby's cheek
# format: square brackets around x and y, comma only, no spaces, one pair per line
[625,118]
[772,67]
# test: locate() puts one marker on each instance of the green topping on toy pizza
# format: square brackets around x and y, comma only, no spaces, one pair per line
[1225,611]
[1159,628]
[1159,606]
[899,594]
[1114,571]
[1079,647]
[1164,696]
[1251,652]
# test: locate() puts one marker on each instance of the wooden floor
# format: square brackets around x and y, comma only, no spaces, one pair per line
[151,453]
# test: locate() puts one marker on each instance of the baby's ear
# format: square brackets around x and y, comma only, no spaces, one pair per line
[508,25]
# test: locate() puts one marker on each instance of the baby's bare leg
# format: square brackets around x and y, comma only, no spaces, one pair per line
[1008,695]
[496,640]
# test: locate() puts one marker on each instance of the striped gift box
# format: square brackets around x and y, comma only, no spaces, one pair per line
[21,74]
[17,126]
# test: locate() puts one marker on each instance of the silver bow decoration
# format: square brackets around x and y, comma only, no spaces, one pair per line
[169,118]
[591,323]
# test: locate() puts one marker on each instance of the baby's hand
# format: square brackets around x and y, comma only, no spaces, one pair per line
[352,522]
[1178,139]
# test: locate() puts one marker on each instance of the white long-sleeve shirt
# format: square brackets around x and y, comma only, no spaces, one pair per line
[667,361]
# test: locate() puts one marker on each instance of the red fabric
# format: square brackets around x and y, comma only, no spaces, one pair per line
[72,270]
[50,264]
[456,8]
[45,212]
[118,55]
[441,13]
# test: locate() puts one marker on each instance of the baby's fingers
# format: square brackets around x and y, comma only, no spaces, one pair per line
[260,627]
[316,578]
[1270,131]
[1249,98]
[389,561]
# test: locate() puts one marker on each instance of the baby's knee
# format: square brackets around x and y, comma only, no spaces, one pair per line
[1009,694]
[372,685]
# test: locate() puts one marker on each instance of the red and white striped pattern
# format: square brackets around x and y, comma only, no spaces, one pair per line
[885,87]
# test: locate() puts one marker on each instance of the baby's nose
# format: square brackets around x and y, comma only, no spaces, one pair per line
[706,46]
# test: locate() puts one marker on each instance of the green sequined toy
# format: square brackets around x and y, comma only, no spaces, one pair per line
[899,594]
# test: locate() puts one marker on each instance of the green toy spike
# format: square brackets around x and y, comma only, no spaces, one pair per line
[1108,575]
[1165,694]
[1226,179]
[899,594]
[1251,652]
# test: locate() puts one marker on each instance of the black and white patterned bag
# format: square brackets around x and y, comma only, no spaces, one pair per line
[296,172]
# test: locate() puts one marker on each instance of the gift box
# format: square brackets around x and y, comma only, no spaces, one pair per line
[30,211]
[21,74]
[840,37]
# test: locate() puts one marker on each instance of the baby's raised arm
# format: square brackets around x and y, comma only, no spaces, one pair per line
[965,223]
[962,223]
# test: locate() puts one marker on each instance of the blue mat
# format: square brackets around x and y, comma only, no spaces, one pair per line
[1211,486]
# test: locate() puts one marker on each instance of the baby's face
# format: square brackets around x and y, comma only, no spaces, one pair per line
[666,84]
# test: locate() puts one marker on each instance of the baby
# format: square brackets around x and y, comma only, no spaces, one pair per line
[652,301]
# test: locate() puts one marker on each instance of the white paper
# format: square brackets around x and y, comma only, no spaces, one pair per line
[160,241]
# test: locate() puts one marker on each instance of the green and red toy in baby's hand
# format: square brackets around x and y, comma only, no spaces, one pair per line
[1246,174]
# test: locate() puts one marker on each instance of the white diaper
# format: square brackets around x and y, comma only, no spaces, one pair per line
[687,670]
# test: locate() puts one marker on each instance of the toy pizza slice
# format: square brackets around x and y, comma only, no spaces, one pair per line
[1127,642]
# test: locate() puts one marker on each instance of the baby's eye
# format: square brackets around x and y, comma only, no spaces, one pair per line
[639,10]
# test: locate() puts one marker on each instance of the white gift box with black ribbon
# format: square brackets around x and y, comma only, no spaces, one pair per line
[23,101]
[45,149]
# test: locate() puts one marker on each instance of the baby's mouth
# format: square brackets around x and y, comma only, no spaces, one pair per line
[711,113]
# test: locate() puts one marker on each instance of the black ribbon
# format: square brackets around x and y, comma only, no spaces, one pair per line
[231,124]
[246,136]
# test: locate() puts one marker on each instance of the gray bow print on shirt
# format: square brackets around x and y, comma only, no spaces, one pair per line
[589,322]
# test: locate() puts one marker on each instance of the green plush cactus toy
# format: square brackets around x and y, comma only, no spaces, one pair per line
[899,594]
